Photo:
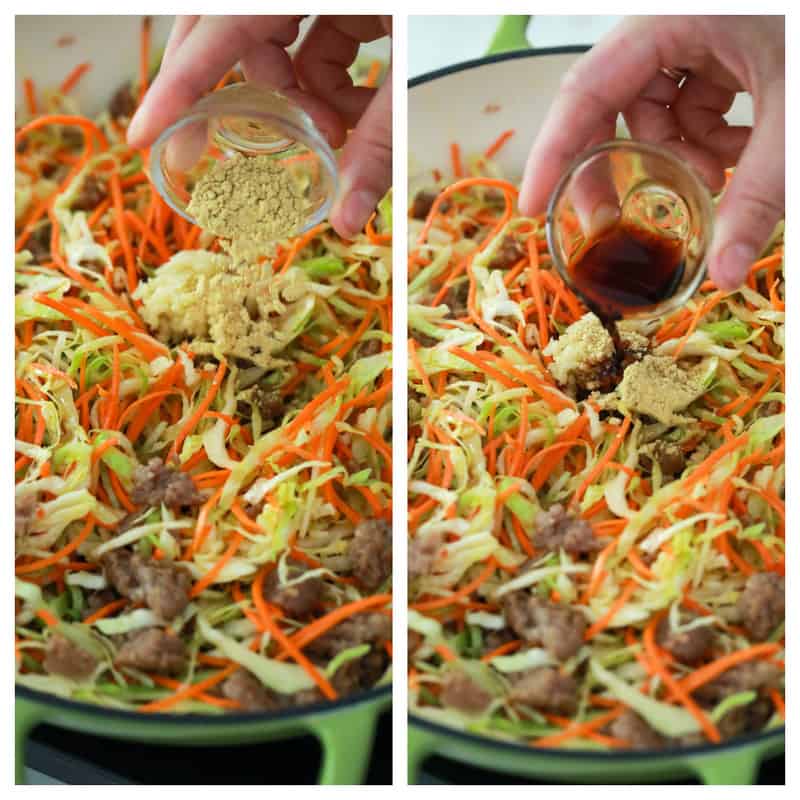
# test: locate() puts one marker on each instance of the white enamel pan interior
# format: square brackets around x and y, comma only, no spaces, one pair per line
[49,47]
[472,103]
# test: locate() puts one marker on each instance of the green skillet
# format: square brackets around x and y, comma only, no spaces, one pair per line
[345,728]
[472,103]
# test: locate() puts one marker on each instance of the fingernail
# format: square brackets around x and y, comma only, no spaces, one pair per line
[133,128]
[729,268]
[357,207]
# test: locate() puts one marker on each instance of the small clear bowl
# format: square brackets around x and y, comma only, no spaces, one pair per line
[635,183]
[253,121]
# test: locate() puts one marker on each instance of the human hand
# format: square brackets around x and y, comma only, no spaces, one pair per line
[201,49]
[623,74]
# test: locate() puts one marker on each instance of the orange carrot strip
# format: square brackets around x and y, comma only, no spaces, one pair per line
[722,664]
[503,649]
[122,232]
[48,617]
[677,689]
[463,592]
[165,703]
[603,622]
[211,575]
[103,447]
[71,81]
[191,423]
[282,639]
[323,624]
[30,96]
[494,148]
[42,563]
[105,611]
[374,73]
[308,412]
[536,289]
[144,56]
[445,652]
[603,461]
[578,729]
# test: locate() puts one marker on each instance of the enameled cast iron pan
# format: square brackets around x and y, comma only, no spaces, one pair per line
[472,103]
[345,728]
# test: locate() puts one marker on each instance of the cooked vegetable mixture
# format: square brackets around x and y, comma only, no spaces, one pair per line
[596,529]
[203,455]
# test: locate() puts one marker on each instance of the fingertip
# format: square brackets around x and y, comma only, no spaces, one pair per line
[350,214]
[134,135]
[728,267]
[530,202]
[140,132]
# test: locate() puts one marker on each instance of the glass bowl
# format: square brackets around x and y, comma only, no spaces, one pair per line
[252,121]
[635,184]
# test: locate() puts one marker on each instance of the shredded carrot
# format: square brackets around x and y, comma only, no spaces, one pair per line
[49,619]
[103,448]
[455,157]
[197,415]
[722,664]
[323,624]
[603,622]
[374,73]
[502,650]
[105,611]
[578,730]
[122,232]
[463,592]
[144,56]
[30,96]
[214,572]
[536,288]
[604,460]
[42,563]
[679,690]
[445,652]
[72,80]
[284,641]
[188,692]
[494,148]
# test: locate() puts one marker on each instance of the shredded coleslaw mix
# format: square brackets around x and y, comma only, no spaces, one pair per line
[582,574]
[190,526]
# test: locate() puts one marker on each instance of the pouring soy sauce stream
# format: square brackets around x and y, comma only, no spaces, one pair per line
[626,267]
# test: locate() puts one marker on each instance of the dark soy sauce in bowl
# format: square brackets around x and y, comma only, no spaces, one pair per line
[626,268]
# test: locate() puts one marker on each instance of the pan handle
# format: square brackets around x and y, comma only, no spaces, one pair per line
[511,34]
[737,768]
[346,737]
[26,717]
[421,744]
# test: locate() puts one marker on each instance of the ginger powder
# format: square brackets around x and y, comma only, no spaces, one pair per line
[248,201]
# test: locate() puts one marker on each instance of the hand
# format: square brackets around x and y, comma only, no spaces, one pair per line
[201,49]
[622,74]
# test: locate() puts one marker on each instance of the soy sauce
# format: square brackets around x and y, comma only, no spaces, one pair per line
[627,268]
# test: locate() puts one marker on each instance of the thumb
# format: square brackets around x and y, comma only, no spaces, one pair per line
[754,201]
[366,165]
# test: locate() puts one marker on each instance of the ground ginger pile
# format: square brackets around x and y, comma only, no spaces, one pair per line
[250,202]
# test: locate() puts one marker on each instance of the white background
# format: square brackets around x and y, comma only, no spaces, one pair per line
[434,43]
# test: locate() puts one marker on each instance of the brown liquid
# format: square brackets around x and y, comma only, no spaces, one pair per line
[627,268]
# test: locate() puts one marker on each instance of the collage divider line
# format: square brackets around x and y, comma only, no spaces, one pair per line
[399,398]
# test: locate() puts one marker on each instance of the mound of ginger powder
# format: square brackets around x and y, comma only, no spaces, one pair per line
[248,201]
